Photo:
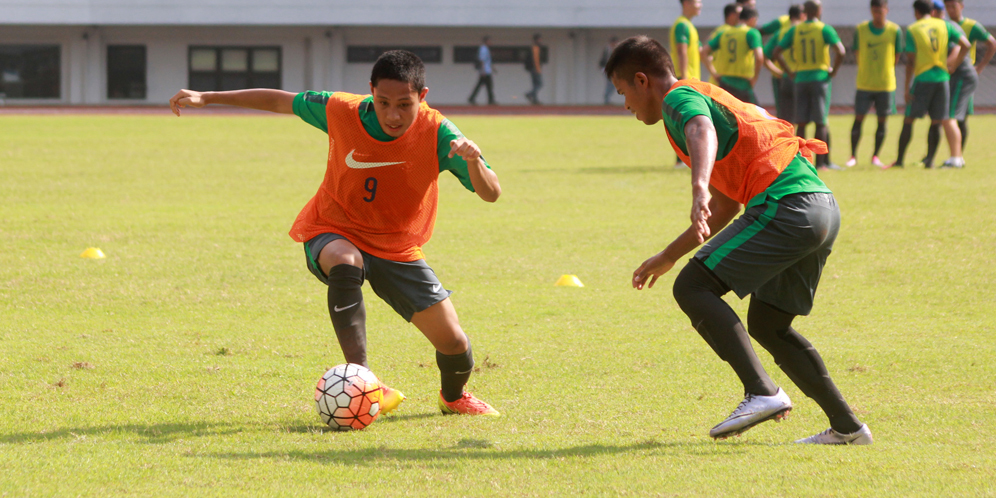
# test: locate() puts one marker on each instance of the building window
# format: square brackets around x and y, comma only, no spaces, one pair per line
[234,68]
[370,53]
[508,54]
[30,71]
[126,72]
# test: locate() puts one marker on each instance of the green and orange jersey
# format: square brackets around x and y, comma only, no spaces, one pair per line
[755,150]
[380,192]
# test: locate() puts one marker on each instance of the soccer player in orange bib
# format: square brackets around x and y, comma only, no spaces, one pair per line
[377,206]
[775,252]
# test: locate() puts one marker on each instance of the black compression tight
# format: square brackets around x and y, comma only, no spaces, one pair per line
[772,329]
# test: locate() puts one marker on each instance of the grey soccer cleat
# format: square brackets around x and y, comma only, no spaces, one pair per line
[751,411]
[830,436]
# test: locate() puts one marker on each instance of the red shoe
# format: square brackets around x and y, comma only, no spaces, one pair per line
[466,405]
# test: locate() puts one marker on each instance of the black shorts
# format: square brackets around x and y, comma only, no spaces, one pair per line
[929,98]
[408,287]
[786,99]
[884,102]
[776,250]
[812,102]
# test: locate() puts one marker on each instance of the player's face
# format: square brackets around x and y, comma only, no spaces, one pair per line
[878,14]
[691,8]
[639,99]
[752,22]
[954,9]
[396,105]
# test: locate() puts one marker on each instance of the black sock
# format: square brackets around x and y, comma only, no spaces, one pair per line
[855,137]
[904,141]
[454,372]
[772,329]
[349,315]
[699,294]
[963,126]
[879,136]
[823,133]
[933,140]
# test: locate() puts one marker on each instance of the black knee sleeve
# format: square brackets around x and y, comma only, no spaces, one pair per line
[347,311]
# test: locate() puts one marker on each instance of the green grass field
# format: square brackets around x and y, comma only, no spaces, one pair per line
[184,363]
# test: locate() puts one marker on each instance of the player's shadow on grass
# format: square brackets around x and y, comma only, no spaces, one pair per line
[482,449]
[148,434]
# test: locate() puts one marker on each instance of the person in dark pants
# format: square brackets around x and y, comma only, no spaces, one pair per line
[484,71]
[534,64]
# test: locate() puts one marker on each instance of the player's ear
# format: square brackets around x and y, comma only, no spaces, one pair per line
[641,80]
[422,94]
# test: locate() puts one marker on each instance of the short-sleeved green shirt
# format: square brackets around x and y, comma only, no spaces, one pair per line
[830,37]
[684,103]
[310,107]
[775,25]
[681,33]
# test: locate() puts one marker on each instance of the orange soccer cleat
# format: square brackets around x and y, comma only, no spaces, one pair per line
[392,399]
[466,405]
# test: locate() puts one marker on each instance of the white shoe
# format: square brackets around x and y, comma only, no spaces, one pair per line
[851,162]
[954,162]
[877,162]
[751,411]
[830,436]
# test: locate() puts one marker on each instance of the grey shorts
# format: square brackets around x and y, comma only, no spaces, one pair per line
[929,98]
[408,287]
[785,98]
[812,102]
[963,83]
[884,102]
[743,95]
[776,250]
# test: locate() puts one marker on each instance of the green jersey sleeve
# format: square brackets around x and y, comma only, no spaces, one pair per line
[854,42]
[900,46]
[909,46]
[681,33]
[830,35]
[310,106]
[978,33]
[714,42]
[786,41]
[771,27]
[456,165]
[754,39]
[954,32]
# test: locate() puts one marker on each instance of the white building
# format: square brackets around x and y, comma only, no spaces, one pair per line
[98,52]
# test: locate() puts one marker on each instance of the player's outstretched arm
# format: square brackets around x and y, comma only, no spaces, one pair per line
[484,180]
[263,99]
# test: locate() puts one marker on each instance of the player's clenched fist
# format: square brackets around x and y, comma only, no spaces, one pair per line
[465,148]
[185,98]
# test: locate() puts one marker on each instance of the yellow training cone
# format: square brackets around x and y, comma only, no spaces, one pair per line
[569,281]
[93,253]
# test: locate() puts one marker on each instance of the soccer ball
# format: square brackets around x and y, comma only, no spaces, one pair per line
[348,397]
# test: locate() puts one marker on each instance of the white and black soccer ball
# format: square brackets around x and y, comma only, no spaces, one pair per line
[348,397]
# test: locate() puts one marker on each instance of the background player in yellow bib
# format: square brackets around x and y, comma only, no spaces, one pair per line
[964,79]
[926,48]
[877,45]
[811,42]
[685,42]
[781,85]
[731,17]
[738,57]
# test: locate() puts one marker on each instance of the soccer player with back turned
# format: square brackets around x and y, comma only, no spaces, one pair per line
[965,79]
[775,252]
[738,57]
[877,45]
[812,72]
[926,48]
[376,207]
[781,85]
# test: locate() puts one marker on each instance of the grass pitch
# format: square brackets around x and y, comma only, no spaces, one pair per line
[184,362]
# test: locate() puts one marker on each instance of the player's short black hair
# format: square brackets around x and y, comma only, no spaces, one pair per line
[811,8]
[639,54]
[536,37]
[730,9]
[923,7]
[399,65]
[879,3]
[795,12]
[748,14]
[959,1]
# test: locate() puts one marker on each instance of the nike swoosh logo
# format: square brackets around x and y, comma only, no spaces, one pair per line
[338,309]
[873,45]
[435,288]
[353,163]
[461,373]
